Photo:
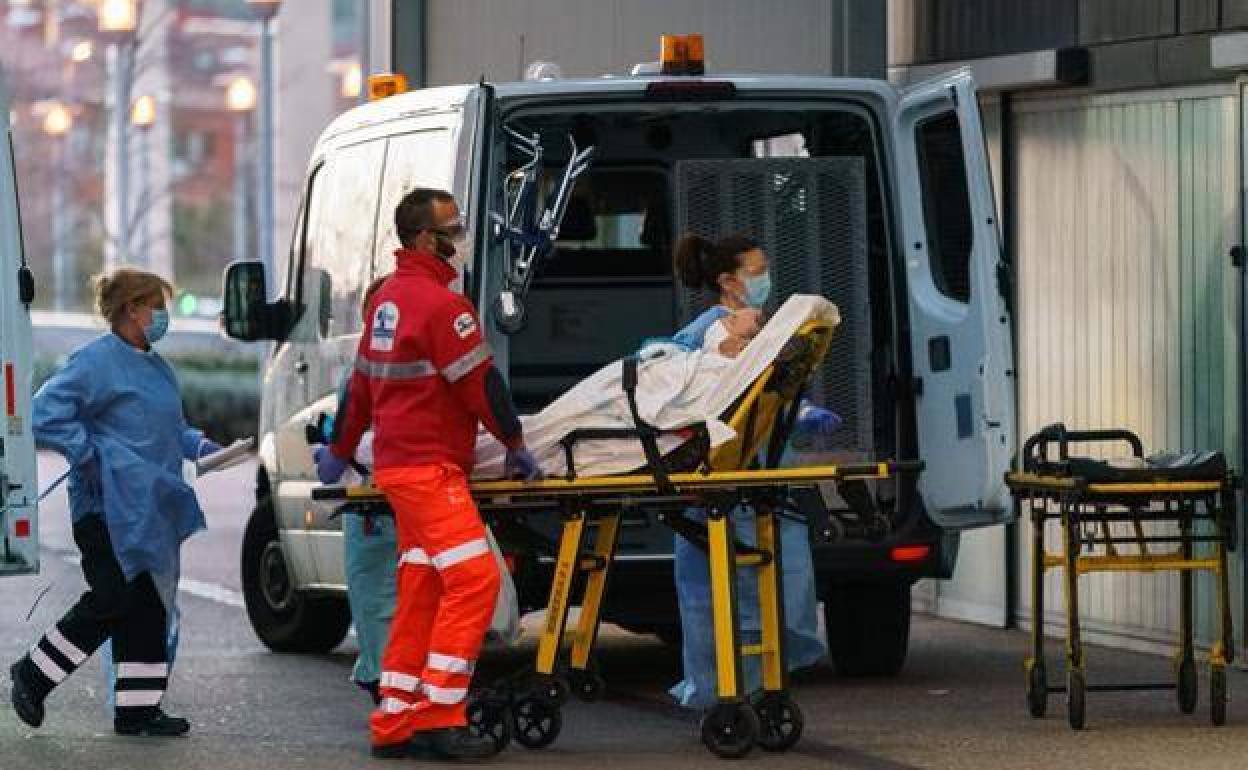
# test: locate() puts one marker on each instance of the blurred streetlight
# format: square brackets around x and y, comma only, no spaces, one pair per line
[265,11]
[143,117]
[81,52]
[118,22]
[58,121]
[240,98]
[352,81]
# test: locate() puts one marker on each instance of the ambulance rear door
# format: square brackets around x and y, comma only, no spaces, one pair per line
[19,550]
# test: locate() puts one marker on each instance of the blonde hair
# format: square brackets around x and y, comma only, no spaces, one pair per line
[122,286]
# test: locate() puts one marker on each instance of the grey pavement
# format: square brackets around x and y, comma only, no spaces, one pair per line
[959,702]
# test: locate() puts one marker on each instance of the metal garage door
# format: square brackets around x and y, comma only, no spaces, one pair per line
[1128,304]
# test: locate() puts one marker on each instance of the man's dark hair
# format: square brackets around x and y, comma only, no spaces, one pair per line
[415,212]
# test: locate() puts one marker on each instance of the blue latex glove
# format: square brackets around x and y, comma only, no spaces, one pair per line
[521,464]
[329,467]
[817,421]
[207,447]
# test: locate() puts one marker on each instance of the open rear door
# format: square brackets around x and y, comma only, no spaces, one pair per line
[19,526]
[959,317]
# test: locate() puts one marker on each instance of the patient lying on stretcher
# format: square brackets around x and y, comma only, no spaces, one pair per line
[677,388]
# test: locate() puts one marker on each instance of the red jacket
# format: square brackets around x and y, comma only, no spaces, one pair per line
[420,371]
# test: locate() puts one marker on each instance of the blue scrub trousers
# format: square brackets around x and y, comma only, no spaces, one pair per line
[370,561]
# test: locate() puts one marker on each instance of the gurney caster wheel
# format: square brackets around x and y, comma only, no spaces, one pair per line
[587,685]
[1217,695]
[551,687]
[1076,698]
[780,721]
[536,721]
[730,730]
[489,716]
[1037,690]
[1187,687]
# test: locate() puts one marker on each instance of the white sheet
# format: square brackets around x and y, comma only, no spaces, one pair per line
[676,388]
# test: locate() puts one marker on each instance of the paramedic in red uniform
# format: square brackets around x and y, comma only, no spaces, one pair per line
[424,379]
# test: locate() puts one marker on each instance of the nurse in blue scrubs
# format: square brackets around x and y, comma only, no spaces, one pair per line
[737,271]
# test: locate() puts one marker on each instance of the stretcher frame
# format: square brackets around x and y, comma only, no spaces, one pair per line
[1086,510]
[726,481]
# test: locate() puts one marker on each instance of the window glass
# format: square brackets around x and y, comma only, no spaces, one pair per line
[946,204]
[418,159]
[342,218]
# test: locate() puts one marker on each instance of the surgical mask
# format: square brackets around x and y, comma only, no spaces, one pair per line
[757,289]
[155,330]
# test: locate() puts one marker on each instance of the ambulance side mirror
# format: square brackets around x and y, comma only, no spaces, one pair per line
[247,314]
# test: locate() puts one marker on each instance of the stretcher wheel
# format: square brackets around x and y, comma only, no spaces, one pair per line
[552,688]
[1217,695]
[730,730]
[489,716]
[587,685]
[1037,690]
[1076,698]
[536,721]
[780,721]
[1188,687]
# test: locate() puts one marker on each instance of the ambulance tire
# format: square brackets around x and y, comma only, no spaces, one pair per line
[285,619]
[868,628]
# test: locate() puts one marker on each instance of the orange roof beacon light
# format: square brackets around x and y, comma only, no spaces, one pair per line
[386,85]
[682,55]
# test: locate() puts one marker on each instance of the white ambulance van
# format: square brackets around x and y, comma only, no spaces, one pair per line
[19,524]
[876,198]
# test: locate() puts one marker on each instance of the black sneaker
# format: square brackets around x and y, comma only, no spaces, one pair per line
[157,723]
[29,707]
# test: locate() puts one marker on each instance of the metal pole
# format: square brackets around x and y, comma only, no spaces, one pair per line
[145,192]
[366,48]
[119,57]
[264,234]
[240,186]
[59,259]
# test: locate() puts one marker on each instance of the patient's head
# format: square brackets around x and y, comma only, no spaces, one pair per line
[729,335]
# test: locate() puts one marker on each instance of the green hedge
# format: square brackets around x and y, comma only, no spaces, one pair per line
[220,394]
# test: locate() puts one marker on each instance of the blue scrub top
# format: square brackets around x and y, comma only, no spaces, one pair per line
[115,413]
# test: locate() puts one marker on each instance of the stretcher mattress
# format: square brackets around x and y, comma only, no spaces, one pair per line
[1162,467]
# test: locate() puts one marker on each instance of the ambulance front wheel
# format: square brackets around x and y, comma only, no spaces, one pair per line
[730,730]
[284,618]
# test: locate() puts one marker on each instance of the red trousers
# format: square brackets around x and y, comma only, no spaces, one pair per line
[447,587]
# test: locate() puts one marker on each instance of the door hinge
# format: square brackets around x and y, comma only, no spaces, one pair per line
[1237,256]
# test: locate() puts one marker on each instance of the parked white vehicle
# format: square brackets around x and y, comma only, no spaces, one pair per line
[879,199]
[19,522]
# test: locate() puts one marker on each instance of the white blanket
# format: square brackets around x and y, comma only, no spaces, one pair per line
[676,389]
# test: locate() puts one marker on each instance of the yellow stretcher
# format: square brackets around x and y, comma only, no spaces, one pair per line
[718,481]
[1186,501]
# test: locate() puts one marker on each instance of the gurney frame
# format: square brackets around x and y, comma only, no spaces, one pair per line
[1086,510]
[740,473]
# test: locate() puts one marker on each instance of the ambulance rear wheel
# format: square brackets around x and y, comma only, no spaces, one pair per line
[536,722]
[284,618]
[780,721]
[730,730]
[1187,688]
[1217,695]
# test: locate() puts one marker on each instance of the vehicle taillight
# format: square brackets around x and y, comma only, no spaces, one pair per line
[21,528]
[910,553]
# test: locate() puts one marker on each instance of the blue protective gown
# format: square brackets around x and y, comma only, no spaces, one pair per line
[115,413]
[693,592]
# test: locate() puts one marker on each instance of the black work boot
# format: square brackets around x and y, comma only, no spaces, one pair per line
[26,702]
[153,722]
[460,743]
[448,743]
